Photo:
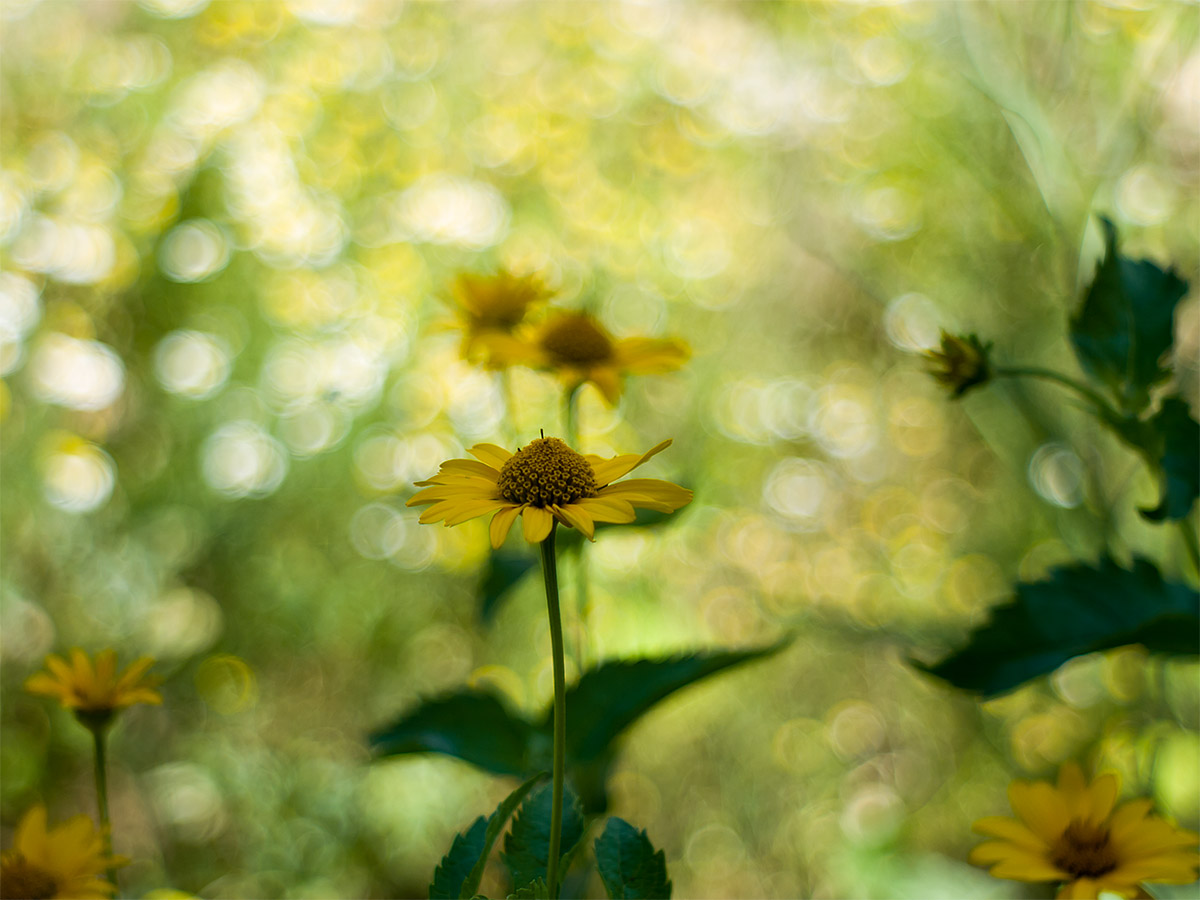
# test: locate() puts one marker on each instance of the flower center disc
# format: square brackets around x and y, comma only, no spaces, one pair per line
[546,472]
[1085,851]
[576,340]
[19,879]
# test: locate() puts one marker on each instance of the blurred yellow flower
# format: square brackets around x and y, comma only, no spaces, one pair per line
[543,482]
[65,861]
[961,363]
[1070,833]
[489,307]
[95,689]
[580,349]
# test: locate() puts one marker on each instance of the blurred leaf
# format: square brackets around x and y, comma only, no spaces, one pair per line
[609,699]
[504,570]
[1176,451]
[1080,609]
[475,726]
[1125,324]
[536,890]
[456,866]
[629,865]
[494,826]
[527,846]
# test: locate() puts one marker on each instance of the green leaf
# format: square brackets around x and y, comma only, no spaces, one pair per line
[495,825]
[505,570]
[527,846]
[475,726]
[1125,324]
[1079,609]
[1175,452]
[535,890]
[456,866]
[609,699]
[629,865]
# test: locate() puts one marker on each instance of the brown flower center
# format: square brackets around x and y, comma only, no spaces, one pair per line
[1085,851]
[546,472]
[576,340]
[21,880]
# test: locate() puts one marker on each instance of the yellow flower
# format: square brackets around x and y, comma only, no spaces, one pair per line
[961,363]
[65,861]
[580,349]
[1072,834]
[489,308]
[95,689]
[544,482]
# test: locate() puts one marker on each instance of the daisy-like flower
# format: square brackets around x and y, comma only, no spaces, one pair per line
[544,482]
[489,308]
[580,349]
[1071,833]
[95,690]
[960,363]
[64,861]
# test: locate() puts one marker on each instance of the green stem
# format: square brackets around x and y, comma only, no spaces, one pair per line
[1050,375]
[550,572]
[99,734]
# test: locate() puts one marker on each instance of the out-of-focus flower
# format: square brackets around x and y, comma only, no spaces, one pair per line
[489,307]
[580,349]
[544,482]
[961,362]
[94,691]
[1071,833]
[64,861]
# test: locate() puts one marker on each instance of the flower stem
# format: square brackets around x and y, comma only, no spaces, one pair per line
[99,738]
[1050,375]
[550,572]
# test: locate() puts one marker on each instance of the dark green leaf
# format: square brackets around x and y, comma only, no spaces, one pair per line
[504,570]
[456,866]
[475,726]
[535,890]
[527,846]
[1080,609]
[609,699]
[629,865]
[495,825]
[1176,452]
[1125,324]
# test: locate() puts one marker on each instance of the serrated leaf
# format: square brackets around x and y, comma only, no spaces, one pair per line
[535,890]
[475,726]
[450,876]
[527,845]
[1079,609]
[495,825]
[629,865]
[608,699]
[1125,324]
[1176,451]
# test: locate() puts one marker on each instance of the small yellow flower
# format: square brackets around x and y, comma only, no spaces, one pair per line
[961,363]
[544,482]
[1070,833]
[65,861]
[580,349]
[489,307]
[95,689]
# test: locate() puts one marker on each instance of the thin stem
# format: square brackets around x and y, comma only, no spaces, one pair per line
[550,572]
[99,734]
[1050,375]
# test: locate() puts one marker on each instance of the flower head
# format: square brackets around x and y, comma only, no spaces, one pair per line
[961,363]
[95,691]
[544,482]
[64,861]
[1070,833]
[580,349]
[489,307]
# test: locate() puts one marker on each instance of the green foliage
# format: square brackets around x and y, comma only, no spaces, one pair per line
[527,845]
[535,890]
[1079,609]
[629,865]
[461,869]
[1125,324]
[478,727]
[1174,448]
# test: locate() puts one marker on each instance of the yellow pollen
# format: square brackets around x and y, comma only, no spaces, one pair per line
[20,879]
[1085,851]
[576,340]
[546,472]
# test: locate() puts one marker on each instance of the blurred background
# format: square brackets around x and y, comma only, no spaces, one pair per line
[228,232]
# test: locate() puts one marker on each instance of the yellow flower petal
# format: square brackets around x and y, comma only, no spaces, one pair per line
[536,523]
[1073,788]
[611,469]
[1010,830]
[1040,807]
[607,509]
[608,381]
[490,455]
[573,514]
[1081,889]
[501,523]
[475,509]
[650,356]
[1101,796]
[470,467]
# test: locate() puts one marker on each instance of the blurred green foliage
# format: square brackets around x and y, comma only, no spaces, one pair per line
[227,232]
